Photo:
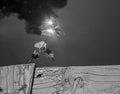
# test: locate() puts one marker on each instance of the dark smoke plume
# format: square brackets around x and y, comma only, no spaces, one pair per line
[32,11]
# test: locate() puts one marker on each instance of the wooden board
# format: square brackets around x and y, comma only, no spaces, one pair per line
[16,79]
[77,80]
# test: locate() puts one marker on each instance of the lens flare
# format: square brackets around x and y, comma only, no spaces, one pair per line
[49,22]
[51,27]
[52,31]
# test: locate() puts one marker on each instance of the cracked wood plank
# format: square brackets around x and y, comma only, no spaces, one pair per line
[16,79]
[77,80]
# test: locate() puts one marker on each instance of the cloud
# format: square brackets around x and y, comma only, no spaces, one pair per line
[32,11]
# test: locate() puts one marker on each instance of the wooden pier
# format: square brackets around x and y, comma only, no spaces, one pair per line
[28,79]
[16,79]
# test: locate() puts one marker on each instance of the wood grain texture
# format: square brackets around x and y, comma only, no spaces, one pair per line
[77,80]
[16,79]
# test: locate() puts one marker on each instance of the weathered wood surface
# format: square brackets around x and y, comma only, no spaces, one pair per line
[16,79]
[77,80]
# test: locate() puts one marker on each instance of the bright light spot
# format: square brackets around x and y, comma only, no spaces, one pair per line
[50,31]
[51,27]
[49,22]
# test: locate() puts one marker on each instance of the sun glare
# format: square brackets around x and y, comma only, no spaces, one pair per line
[50,31]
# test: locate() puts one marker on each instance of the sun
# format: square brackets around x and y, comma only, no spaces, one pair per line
[51,27]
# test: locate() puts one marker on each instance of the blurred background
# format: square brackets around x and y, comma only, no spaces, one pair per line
[91,36]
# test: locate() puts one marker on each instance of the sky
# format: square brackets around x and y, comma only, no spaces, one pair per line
[91,36]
